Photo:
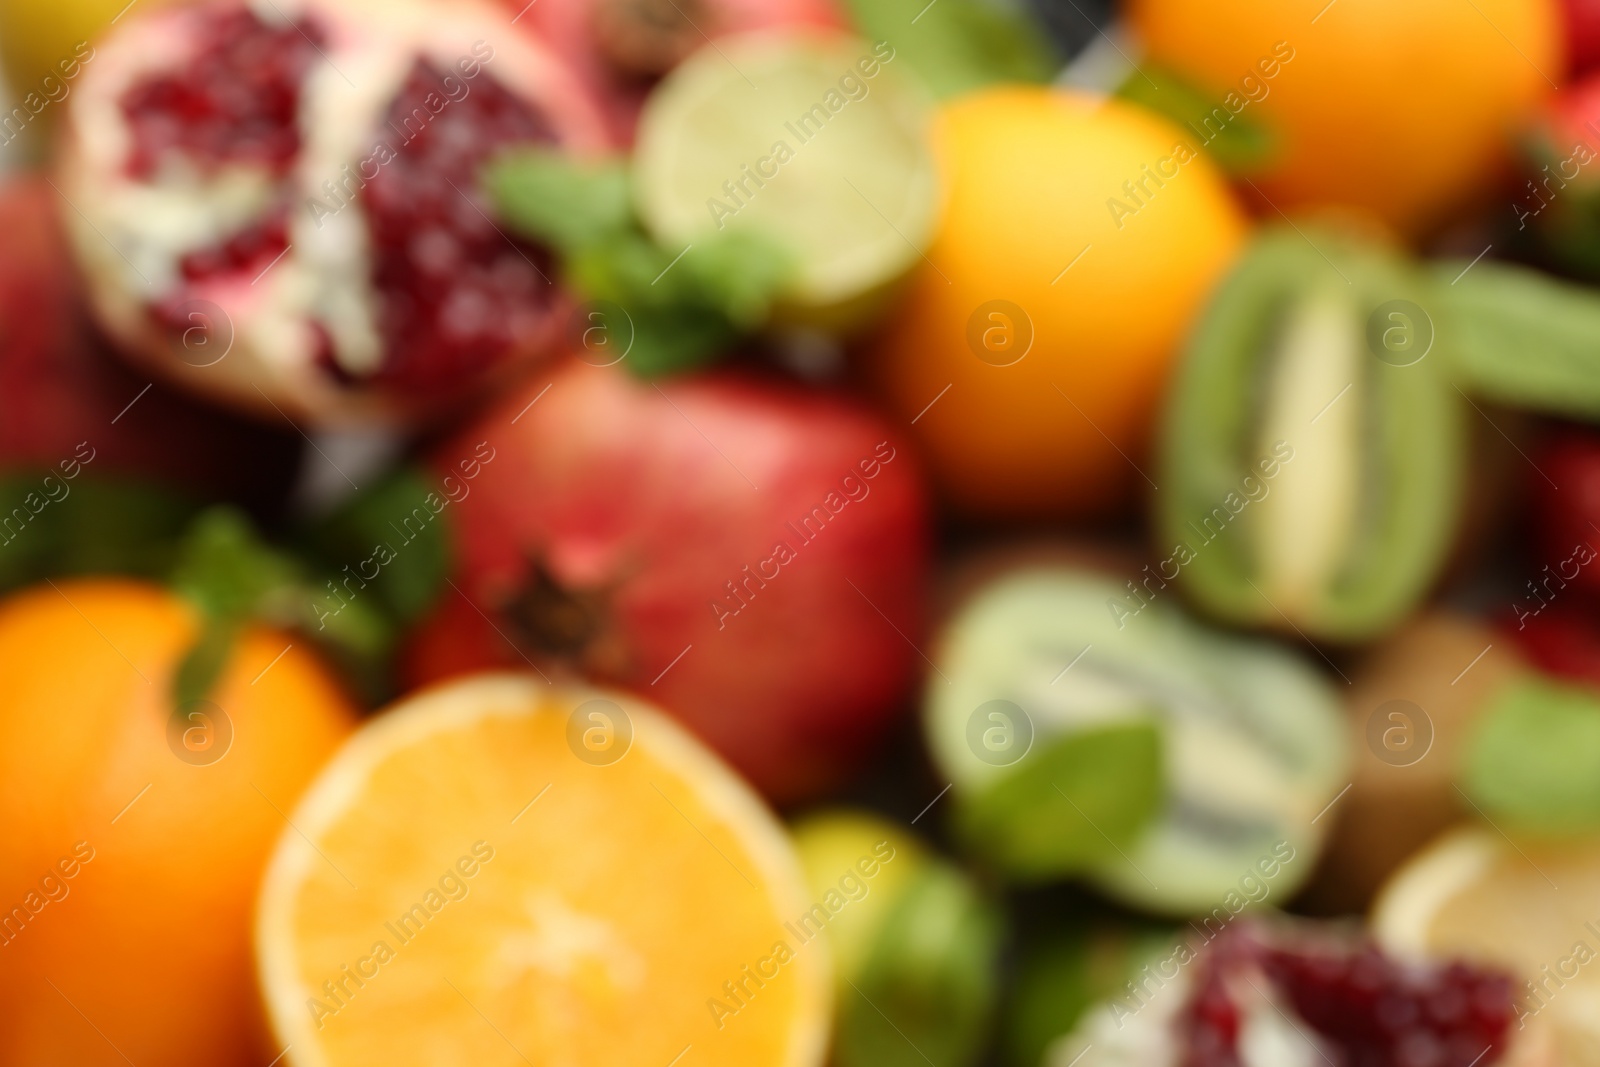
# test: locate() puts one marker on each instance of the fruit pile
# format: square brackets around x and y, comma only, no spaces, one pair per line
[775,533]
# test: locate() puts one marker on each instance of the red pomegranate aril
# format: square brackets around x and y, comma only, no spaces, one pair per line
[247,252]
[235,102]
[441,267]
[1366,1009]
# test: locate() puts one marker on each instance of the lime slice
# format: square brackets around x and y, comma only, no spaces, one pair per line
[815,140]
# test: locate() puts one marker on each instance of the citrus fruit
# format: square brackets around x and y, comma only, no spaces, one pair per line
[916,943]
[814,140]
[500,872]
[134,837]
[1038,333]
[1399,109]
[1524,906]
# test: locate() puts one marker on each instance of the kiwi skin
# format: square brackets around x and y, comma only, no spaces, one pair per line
[1392,811]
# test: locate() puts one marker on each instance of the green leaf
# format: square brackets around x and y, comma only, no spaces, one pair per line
[202,665]
[561,201]
[684,307]
[1071,802]
[393,514]
[740,273]
[929,985]
[1065,971]
[230,573]
[1236,141]
[61,527]
[955,46]
[1520,337]
[232,577]
[1533,762]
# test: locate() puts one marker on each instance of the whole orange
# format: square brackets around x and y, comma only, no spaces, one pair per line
[1080,237]
[1402,109]
[132,848]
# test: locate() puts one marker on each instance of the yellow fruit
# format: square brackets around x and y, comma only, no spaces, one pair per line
[497,872]
[44,47]
[1079,240]
[1402,109]
[1526,908]
[132,849]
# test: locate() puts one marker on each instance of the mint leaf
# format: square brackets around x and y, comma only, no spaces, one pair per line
[232,577]
[1236,141]
[685,306]
[1533,762]
[393,515]
[955,46]
[1071,802]
[561,201]
[226,570]
[52,527]
[740,273]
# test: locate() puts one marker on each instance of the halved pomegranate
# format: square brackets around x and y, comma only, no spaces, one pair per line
[1296,994]
[63,394]
[279,203]
[620,48]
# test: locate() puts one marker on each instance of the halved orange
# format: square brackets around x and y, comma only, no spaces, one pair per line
[1526,907]
[504,872]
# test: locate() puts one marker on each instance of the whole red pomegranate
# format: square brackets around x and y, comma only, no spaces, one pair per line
[620,48]
[64,396]
[279,203]
[751,555]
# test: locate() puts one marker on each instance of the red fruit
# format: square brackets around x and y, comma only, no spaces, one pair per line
[60,386]
[620,48]
[1582,18]
[750,555]
[1562,639]
[1362,1008]
[299,181]
[1566,509]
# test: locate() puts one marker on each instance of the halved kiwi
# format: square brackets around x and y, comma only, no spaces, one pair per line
[1312,452]
[1163,761]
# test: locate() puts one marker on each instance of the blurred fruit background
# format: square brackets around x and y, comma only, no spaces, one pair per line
[783,533]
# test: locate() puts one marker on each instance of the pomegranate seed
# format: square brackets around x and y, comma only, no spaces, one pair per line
[1365,1009]
[235,102]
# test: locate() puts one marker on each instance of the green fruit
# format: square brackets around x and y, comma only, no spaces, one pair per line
[915,944]
[1252,746]
[1312,452]
[816,141]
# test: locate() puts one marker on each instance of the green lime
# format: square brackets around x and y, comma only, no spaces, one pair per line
[817,141]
